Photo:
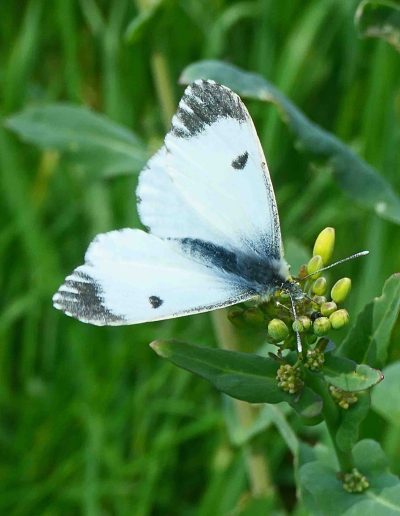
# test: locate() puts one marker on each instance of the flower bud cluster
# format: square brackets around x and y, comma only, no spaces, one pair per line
[315,359]
[289,378]
[343,398]
[318,312]
[355,482]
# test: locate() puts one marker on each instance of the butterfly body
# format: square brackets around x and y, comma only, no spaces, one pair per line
[213,237]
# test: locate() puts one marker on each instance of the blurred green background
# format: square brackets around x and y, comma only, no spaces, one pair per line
[92,422]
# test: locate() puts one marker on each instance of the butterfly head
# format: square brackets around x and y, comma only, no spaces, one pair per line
[294,289]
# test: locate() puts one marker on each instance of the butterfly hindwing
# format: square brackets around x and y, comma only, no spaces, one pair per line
[130,276]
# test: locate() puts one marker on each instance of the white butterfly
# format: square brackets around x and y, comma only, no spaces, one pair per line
[214,235]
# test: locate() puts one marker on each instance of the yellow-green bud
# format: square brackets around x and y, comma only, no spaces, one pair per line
[278,330]
[324,244]
[321,326]
[340,290]
[319,300]
[319,286]
[355,482]
[339,319]
[328,308]
[314,265]
[305,322]
[297,326]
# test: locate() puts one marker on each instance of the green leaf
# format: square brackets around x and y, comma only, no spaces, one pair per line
[142,22]
[325,494]
[385,397]
[379,19]
[349,376]
[244,376]
[358,179]
[369,338]
[350,420]
[86,138]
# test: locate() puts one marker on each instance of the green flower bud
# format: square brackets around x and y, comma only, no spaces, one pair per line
[289,378]
[355,482]
[278,330]
[314,265]
[297,326]
[254,316]
[319,300]
[321,326]
[319,286]
[339,319]
[305,322]
[343,398]
[340,290]
[328,308]
[315,359]
[324,244]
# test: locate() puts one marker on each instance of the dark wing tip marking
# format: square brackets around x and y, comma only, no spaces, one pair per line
[240,162]
[203,103]
[81,297]
[155,301]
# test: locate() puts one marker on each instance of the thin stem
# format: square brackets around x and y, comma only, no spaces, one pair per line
[257,465]
[331,417]
[161,77]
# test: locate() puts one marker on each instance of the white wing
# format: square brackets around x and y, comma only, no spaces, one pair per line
[130,276]
[210,181]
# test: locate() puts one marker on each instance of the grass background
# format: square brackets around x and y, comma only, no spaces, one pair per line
[92,422]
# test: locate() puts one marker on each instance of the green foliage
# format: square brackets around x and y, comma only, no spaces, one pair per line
[369,338]
[382,499]
[90,140]
[349,376]
[385,398]
[380,19]
[91,421]
[244,376]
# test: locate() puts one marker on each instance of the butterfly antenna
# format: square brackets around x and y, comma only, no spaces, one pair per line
[352,257]
[298,339]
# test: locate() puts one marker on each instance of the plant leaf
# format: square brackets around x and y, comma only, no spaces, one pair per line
[358,179]
[86,138]
[244,376]
[347,433]
[381,499]
[349,376]
[142,22]
[379,19]
[369,338]
[385,398]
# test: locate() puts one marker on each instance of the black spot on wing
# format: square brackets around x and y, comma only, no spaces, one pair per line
[155,301]
[202,104]
[240,162]
[81,297]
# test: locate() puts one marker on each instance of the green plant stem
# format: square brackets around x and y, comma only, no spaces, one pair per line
[161,76]
[257,465]
[331,416]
